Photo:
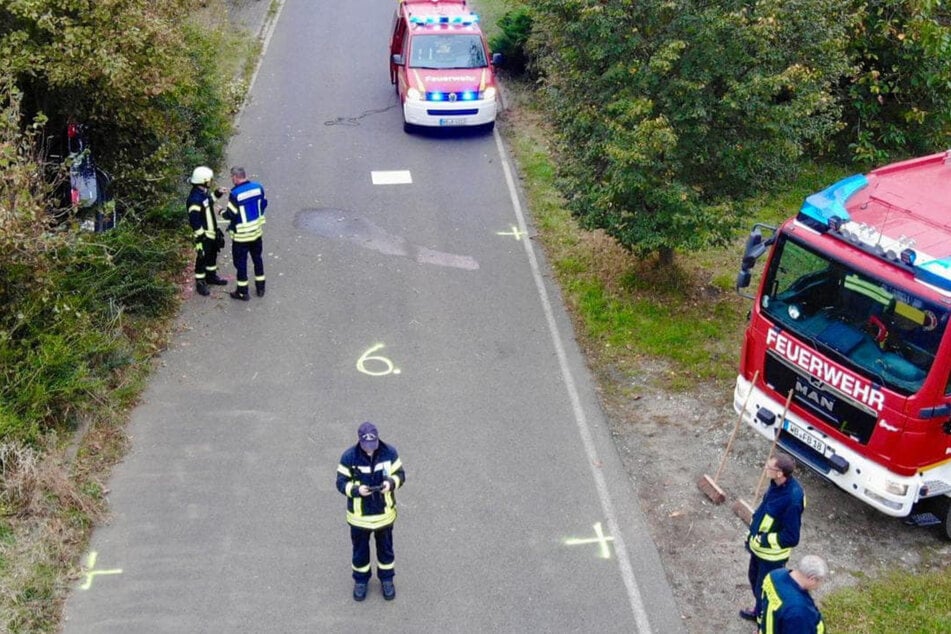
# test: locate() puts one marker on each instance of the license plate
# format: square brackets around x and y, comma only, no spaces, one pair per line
[801,434]
[457,121]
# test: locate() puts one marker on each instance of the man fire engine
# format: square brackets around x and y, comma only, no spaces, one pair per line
[851,315]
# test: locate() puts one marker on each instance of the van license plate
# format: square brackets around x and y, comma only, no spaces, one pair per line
[452,121]
[801,434]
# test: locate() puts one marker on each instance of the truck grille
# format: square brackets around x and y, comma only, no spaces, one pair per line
[831,407]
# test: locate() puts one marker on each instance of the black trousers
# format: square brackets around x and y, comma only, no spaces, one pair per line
[361,553]
[759,568]
[206,260]
[239,253]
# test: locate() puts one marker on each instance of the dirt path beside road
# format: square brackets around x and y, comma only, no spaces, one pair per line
[669,440]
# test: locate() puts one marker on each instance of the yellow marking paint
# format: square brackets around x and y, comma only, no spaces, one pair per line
[388,367]
[601,539]
[91,572]
[514,232]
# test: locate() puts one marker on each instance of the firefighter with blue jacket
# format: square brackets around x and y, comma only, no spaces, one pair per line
[205,234]
[245,214]
[788,608]
[774,530]
[369,474]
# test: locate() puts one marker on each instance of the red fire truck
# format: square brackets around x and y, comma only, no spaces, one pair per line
[851,319]
[441,66]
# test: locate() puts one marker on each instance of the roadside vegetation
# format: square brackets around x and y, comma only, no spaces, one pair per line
[151,87]
[639,198]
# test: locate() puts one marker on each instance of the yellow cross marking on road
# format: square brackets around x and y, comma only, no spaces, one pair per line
[514,232]
[601,539]
[91,564]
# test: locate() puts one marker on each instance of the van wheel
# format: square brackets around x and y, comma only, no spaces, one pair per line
[408,128]
[488,127]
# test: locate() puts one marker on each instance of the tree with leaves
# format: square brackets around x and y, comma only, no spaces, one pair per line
[669,111]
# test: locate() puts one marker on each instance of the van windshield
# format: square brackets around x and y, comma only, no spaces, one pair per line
[447,51]
[885,332]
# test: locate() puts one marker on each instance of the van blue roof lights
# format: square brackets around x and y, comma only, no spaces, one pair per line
[935,272]
[444,20]
[820,208]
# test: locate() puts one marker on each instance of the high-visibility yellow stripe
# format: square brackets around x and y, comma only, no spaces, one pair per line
[872,291]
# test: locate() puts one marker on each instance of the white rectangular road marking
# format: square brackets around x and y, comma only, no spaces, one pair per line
[394,177]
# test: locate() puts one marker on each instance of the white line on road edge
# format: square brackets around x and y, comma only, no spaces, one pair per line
[627,572]
[267,30]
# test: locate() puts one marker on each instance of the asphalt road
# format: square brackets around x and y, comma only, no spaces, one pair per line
[402,289]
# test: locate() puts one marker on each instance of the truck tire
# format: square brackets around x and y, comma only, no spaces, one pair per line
[945,515]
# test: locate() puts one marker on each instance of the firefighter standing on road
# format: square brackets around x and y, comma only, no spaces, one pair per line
[245,213]
[788,607]
[208,239]
[369,474]
[774,530]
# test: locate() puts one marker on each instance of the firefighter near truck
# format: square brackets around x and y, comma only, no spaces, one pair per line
[441,66]
[851,317]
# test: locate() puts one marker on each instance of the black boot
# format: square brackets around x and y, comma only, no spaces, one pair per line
[202,288]
[212,278]
[238,294]
[259,288]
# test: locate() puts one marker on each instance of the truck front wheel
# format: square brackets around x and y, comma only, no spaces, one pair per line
[945,515]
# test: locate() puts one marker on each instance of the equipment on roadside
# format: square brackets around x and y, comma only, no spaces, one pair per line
[709,485]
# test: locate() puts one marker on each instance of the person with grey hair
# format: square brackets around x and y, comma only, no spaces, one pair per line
[788,608]
[774,530]
[245,214]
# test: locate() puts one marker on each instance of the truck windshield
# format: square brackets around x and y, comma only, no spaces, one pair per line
[875,328]
[447,51]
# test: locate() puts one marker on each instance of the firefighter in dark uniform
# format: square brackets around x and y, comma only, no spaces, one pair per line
[208,239]
[245,214]
[774,530]
[369,474]
[788,607]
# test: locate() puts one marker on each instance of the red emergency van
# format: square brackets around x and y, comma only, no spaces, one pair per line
[441,65]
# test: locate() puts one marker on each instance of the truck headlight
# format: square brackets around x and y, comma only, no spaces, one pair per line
[413,95]
[489,93]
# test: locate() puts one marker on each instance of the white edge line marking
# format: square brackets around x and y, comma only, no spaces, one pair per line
[267,32]
[392,177]
[627,572]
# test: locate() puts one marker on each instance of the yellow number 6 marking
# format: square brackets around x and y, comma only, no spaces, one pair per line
[388,367]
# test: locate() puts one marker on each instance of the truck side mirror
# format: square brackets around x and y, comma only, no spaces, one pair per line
[397,59]
[496,59]
[755,247]
[743,279]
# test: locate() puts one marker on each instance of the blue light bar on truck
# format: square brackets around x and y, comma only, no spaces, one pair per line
[935,272]
[820,208]
[825,212]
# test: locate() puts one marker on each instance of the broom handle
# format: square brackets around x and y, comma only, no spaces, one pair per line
[726,452]
[762,477]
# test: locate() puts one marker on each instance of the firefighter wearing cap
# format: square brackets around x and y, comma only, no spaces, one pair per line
[207,238]
[369,474]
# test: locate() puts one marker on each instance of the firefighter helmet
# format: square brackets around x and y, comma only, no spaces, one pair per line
[202,175]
